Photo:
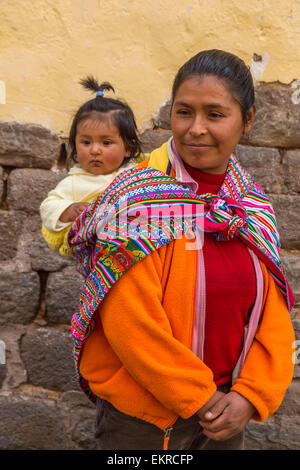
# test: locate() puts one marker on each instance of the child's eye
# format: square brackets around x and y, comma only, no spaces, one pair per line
[85,142]
[107,142]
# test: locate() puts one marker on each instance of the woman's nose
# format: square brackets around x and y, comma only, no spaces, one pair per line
[198,126]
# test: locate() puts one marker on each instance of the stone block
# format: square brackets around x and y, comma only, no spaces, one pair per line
[152,139]
[34,249]
[47,357]
[19,297]
[62,295]
[3,372]
[10,225]
[291,264]
[76,400]
[296,357]
[15,374]
[1,183]
[272,436]
[277,118]
[162,120]
[264,164]
[29,423]
[27,145]
[80,413]
[27,188]
[287,210]
[290,405]
[291,170]
[83,433]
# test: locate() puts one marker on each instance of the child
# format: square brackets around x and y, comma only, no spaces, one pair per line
[103,142]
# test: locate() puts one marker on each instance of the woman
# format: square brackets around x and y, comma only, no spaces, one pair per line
[195,338]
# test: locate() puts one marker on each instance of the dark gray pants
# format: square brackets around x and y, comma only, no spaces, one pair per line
[118,431]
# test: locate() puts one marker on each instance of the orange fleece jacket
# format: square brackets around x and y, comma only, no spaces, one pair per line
[139,355]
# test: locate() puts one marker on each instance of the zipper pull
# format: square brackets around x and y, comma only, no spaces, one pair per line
[167,437]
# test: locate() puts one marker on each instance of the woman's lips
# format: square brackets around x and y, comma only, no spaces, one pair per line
[198,147]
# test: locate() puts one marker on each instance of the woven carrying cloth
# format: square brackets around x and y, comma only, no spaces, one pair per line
[143,210]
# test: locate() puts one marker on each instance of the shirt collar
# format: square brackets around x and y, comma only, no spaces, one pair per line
[181,173]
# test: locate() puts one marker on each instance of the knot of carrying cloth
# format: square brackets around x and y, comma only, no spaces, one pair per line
[225,216]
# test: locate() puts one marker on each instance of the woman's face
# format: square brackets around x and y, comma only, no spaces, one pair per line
[207,123]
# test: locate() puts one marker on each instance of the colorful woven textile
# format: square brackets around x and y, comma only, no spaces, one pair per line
[143,210]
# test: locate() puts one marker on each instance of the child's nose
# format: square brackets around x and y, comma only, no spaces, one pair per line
[96,148]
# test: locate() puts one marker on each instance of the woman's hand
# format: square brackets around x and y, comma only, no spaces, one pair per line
[209,404]
[227,416]
[73,211]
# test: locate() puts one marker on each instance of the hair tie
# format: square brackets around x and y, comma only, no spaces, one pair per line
[99,93]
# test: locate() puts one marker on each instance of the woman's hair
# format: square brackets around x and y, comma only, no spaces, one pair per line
[225,66]
[106,109]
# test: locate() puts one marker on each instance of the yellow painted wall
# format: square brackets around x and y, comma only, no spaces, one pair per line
[46,46]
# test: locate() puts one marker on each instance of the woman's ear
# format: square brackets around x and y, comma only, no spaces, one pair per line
[250,115]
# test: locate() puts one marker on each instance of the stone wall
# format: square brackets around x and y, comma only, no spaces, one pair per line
[40,404]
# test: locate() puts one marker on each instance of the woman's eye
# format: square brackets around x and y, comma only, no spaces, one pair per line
[215,115]
[183,112]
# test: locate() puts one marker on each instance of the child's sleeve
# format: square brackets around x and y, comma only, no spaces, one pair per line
[52,207]
[57,241]
[53,230]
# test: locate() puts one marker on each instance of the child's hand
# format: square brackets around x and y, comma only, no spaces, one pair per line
[227,417]
[73,211]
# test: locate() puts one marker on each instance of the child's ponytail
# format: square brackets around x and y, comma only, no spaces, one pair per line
[90,83]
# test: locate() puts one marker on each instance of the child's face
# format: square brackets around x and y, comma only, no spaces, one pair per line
[100,149]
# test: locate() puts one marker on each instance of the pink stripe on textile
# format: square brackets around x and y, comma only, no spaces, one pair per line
[256,311]
[200,306]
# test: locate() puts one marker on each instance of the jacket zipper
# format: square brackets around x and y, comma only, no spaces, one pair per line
[167,433]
